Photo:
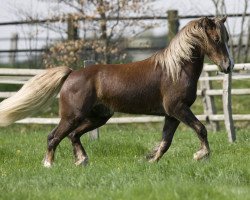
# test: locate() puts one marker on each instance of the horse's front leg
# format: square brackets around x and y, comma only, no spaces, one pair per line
[169,129]
[185,115]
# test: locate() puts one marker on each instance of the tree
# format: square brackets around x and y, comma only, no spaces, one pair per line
[100,28]
[109,33]
[239,50]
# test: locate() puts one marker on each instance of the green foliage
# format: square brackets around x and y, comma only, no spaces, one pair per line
[117,168]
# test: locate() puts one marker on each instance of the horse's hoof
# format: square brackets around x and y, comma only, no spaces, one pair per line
[201,154]
[150,156]
[82,162]
[47,164]
[152,160]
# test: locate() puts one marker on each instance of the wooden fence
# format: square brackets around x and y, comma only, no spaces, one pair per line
[20,76]
[172,18]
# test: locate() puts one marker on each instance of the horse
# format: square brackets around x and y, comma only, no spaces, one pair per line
[164,84]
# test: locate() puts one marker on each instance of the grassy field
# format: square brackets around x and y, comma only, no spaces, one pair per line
[117,168]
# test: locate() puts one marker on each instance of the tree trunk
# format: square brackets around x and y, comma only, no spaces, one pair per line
[104,38]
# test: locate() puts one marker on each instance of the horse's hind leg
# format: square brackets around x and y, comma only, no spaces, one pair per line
[81,157]
[49,157]
[54,138]
[169,129]
[185,115]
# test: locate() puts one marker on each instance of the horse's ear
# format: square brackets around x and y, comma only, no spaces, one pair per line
[223,19]
[206,22]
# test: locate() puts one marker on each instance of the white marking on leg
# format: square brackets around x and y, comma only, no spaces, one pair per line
[83,161]
[47,164]
[158,153]
[201,154]
[81,158]
[48,160]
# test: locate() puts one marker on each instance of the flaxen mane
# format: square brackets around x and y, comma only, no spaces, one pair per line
[180,49]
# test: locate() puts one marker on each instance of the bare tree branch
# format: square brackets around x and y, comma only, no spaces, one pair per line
[241,31]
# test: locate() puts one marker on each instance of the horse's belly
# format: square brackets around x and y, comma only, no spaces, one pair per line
[130,94]
[135,105]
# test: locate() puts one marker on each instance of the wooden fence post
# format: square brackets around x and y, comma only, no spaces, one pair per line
[72,28]
[13,46]
[208,102]
[94,134]
[227,107]
[173,23]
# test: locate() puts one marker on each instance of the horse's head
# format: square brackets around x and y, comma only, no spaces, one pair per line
[217,43]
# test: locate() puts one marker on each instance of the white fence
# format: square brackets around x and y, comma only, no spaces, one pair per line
[20,76]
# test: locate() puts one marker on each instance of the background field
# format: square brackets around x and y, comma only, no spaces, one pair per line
[117,168]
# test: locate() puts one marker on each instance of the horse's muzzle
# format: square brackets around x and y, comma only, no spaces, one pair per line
[227,67]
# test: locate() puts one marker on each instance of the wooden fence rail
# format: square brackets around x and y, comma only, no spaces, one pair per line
[20,76]
[140,119]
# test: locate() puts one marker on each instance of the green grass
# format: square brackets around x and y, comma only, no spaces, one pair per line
[117,168]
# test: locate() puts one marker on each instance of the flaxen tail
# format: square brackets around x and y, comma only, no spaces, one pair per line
[34,95]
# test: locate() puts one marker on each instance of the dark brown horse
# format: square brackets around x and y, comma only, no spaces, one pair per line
[164,84]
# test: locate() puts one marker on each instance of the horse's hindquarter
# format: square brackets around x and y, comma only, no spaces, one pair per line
[130,88]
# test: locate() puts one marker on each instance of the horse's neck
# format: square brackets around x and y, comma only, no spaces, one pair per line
[195,66]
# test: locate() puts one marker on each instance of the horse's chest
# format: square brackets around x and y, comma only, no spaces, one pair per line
[188,92]
[182,92]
